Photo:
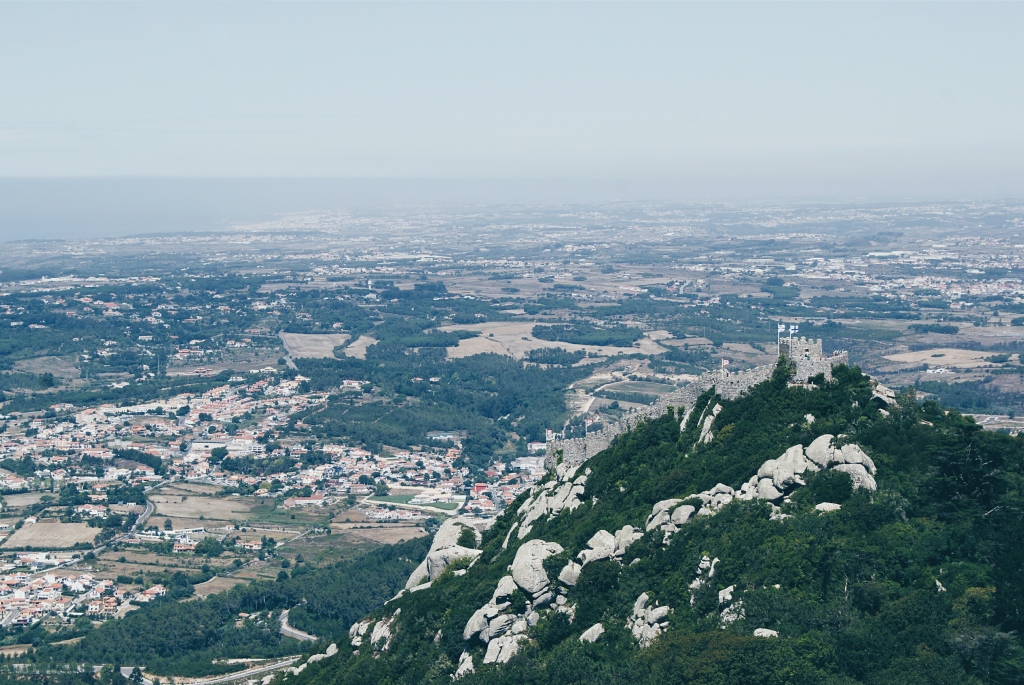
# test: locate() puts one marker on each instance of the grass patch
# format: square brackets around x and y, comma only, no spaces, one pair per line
[392,499]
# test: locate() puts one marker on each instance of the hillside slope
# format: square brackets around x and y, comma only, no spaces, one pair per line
[827,533]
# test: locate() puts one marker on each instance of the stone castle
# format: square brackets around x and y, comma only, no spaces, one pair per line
[805,354]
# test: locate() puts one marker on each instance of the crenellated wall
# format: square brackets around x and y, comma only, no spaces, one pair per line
[729,385]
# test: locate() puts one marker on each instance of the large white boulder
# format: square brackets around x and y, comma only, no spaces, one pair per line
[446,537]
[499,625]
[624,537]
[479,622]
[592,633]
[706,435]
[602,546]
[858,474]
[765,632]
[767,490]
[528,566]
[828,506]
[565,472]
[682,514]
[783,475]
[853,454]
[357,631]
[501,649]
[767,469]
[820,450]
[795,456]
[570,573]
[380,638]
[465,666]
[506,586]
[441,559]
[660,513]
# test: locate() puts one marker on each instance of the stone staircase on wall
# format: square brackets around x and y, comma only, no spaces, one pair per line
[729,386]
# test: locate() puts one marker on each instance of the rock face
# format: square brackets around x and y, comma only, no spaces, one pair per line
[774,479]
[550,499]
[500,650]
[706,435]
[444,549]
[602,546]
[528,566]
[765,632]
[331,651]
[859,475]
[465,666]
[570,573]
[380,637]
[357,631]
[827,506]
[646,623]
[441,559]
[820,451]
[592,633]
[492,622]
[506,586]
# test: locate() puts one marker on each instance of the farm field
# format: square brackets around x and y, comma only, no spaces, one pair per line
[358,348]
[944,356]
[170,504]
[383,535]
[313,345]
[515,339]
[215,585]
[46,535]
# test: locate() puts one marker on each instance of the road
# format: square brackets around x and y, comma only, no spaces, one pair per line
[237,675]
[288,631]
[144,515]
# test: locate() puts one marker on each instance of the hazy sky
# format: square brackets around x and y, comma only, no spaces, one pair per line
[708,99]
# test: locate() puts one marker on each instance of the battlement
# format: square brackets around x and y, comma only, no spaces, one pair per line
[801,348]
[808,361]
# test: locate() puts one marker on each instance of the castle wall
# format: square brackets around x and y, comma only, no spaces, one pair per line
[728,385]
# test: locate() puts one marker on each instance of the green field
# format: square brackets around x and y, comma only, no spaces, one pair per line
[391,499]
[447,506]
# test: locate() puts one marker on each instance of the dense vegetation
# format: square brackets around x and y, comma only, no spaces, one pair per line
[487,395]
[981,396]
[588,334]
[188,638]
[921,581]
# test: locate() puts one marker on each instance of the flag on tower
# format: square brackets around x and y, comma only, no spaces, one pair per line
[782,328]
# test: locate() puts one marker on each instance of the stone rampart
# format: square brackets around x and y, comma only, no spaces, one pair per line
[728,385]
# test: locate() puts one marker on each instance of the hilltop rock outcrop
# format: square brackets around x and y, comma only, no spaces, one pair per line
[444,550]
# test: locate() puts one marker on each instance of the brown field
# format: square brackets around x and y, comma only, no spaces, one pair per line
[949,357]
[358,348]
[215,585]
[192,489]
[385,535]
[515,339]
[51,535]
[313,345]
[194,506]
[15,650]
